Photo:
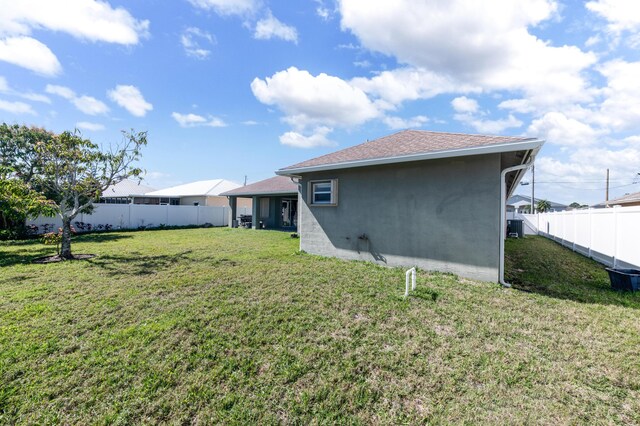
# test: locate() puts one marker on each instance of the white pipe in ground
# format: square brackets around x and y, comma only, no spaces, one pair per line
[411,271]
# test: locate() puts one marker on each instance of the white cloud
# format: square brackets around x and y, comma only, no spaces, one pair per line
[593,40]
[468,112]
[523,106]
[620,109]
[228,7]
[621,14]
[85,19]
[86,125]
[309,100]
[322,10]
[362,64]
[29,53]
[16,107]
[270,27]
[131,99]
[194,120]
[581,176]
[495,51]
[463,104]
[194,40]
[559,129]
[489,126]
[87,104]
[250,123]
[62,91]
[405,123]
[90,105]
[407,84]
[317,138]
[35,97]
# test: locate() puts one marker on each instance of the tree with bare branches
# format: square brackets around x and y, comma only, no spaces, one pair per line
[75,172]
[64,171]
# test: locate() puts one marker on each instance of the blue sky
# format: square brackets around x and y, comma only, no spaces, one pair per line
[228,88]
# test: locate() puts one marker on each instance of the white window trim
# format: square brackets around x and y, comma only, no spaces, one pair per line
[334,193]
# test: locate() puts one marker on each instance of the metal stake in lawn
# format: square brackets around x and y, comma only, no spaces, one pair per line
[411,271]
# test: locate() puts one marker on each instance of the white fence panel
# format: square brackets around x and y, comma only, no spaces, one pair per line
[116,215]
[609,236]
[131,216]
[628,242]
[582,238]
[603,236]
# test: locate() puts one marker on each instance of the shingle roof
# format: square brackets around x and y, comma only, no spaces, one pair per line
[200,188]
[274,185]
[527,199]
[407,143]
[629,198]
[125,188]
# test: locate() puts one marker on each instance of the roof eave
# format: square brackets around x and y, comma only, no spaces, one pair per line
[531,158]
[491,149]
[251,194]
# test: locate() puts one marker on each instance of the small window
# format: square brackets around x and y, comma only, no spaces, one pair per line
[323,192]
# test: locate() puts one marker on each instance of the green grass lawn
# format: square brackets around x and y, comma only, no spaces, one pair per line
[235,326]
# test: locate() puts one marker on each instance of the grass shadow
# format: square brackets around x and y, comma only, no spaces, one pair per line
[32,248]
[138,264]
[538,265]
[100,237]
[24,257]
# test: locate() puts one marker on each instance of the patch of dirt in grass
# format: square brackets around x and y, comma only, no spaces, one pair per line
[56,258]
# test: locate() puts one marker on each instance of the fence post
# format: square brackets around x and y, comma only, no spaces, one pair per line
[590,231]
[575,229]
[129,216]
[615,236]
[198,214]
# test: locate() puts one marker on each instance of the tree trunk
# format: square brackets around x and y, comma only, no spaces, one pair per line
[65,250]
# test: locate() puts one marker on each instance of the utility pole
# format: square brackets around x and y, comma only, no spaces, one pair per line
[245,180]
[533,191]
[606,197]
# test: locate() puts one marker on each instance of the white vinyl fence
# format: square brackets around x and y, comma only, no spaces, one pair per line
[132,216]
[610,236]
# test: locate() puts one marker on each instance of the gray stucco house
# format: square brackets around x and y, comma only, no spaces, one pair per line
[413,198]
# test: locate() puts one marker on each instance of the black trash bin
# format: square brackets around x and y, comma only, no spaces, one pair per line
[624,279]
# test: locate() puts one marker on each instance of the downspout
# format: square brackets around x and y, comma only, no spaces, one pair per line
[503,213]
[296,180]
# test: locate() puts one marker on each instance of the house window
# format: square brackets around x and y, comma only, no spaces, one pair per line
[324,192]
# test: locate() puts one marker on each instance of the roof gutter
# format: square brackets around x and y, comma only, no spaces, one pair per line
[521,169]
[531,144]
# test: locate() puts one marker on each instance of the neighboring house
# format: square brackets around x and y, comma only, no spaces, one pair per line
[123,192]
[627,200]
[201,193]
[520,204]
[414,198]
[274,200]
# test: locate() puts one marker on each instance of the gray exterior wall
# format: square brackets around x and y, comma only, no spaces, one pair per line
[274,219]
[439,215]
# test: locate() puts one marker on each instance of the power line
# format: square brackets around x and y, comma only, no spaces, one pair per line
[588,189]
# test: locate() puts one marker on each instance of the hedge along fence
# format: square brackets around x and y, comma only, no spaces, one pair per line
[610,236]
[132,216]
